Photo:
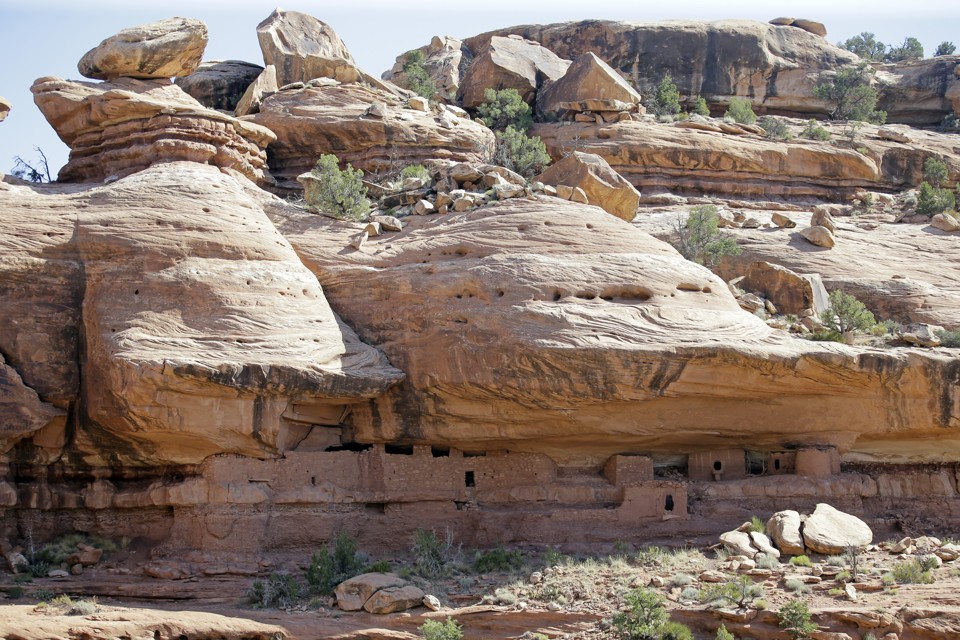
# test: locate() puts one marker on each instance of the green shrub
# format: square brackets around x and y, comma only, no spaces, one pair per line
[380,566]
[415,171]
[651,557]
[339,193]
[40,569]
[699,238]
[797,586]
[280,590]
[935,171]
[415,76]
[846,314]
[15,592]
[741,110]
[430,553]
[774,128]
[910,49]
[741,591]
[505,108]
[757,525]
[723,634]
[852,94]
[436,630]
[43,595]
[866,46]
[950,339]
[700,107]
[518,152]
[498,559]
[931,200]
[327,570]
[644,616]
[945,48]
[795,618]
[681,580]
[801,561]
[690,593]
[768,561]
[675,631]
[912,572]
[813,131]
[666,99]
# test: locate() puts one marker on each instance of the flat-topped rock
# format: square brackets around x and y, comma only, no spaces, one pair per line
[165,49]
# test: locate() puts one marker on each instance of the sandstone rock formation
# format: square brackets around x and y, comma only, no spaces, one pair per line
[920,92]
[219,84]
[5,107]
[334,119]
[523,274]
[303,48]
[201,330]
[816,28]
[784,528]
[508,63]
[445,62]
[161,49]
[819,236]
[353,593]
[603,186]
[119,127]
[262,86]
[789,291]
[830,531]
[945,222]
[587,78]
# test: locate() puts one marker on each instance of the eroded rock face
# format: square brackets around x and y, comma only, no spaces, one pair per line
[164,49]
[117,128]
[921,92]
[219,84]
[509,63]
[574,297]
[303,48]
[445,62]
[336,119]
[202,332]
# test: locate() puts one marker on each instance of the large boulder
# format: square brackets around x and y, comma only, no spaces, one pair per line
[393,599]
[352,594]
[445,60]
[164,49]
[830,531]
[509,63]
[945,222]
[819,236]
[784,528]
[263,85]
[604,187]
[219,84]
[789,291]
[365,126]
[5,107]
[738,543]
[303,48]
[120,127]
[588,78]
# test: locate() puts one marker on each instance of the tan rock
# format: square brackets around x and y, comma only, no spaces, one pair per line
[423,207]
[816,28]
[713,576]
[588,78]
[782,221]
[945,222]
[784,529]
[896,135]
[789,291]
[389,223]
[120,127]
[738,543]
[444,58]
[264,85]
[220,84]
[353,593]
[164,49]
[509,63]
[579,195]
[86,557]
[303,48]
[602,185]
[920,334]
[830,531]
[419,103]
[393,599]
[359,240]
[432,602]
[820,236]
[948,552]
[5,107]
[822,218]
[331,119]
[762,543]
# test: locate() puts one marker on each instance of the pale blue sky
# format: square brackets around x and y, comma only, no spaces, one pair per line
[48,37]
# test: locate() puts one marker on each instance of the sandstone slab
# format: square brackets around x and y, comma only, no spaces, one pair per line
[830,531]
[164,49]
[393,599]
[789,291]
[353,593]
[603,186]
[509,63]
[219,84]
[263,85]
[587,78]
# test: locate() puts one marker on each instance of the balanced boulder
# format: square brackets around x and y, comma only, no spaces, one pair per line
[588,78]
[303,48]
[164,49]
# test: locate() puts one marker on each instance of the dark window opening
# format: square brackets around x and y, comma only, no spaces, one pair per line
[776,464]
[668,504]
[460,505]
[469,479]
[439,452]
[375,507]
[313,480]
[475,454]
[717,465]
[399,449]
[349,446]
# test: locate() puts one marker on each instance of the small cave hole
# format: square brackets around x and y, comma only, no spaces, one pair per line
[469,480]
[313,480]
[668,503]
[136,292]
[206,209]
[500,293]
[717,465]
[439,452]
[556,296]
[399,449]
[707,290]
[375,507]
[586,295]
[776,464]
[589,226]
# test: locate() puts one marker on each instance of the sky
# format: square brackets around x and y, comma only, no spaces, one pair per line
[48,37]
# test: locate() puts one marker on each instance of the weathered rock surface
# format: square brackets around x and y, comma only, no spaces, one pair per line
[445,62]
[945,222]
[919,92]
[262,86]
[393,599]
[587,78]
[117,128]
[784,528]
[164,49]
[683,160]
[352,594]
[22,413]
[303,48]
[819,236]
[333,119]
[509,63]
[603,186]
[219,84]
[5,107]
[584,306]
[830,531]
[201,330]
[790,292]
